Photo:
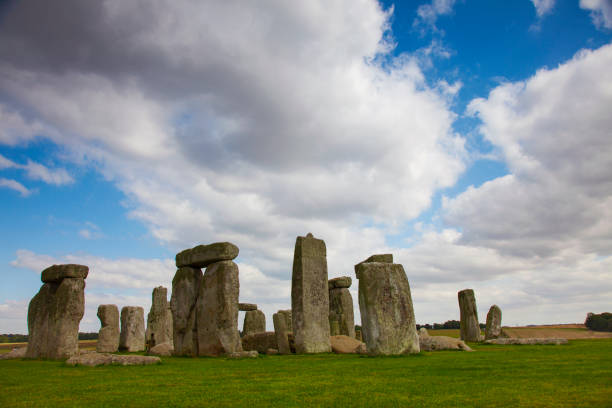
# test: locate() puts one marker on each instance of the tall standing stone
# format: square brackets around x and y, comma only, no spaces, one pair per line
[217,310]
[387,316]
[254,322]
[282,333]
[185,289]
[108,336]
[132,336]
[310,296]
[341,315]
[470,329]
[55,312]
[493,329]
[159,319]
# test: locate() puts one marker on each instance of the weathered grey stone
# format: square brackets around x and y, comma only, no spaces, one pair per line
[288,319]
[54,315]
[185,289]
[341,282]
[341,314]
[56,273]
[435,343]
[387,316]
[108,336]
[423,332]
[272,352]
[347,345]
[493,329]
[243,354]
[159,319]
[281,332]
[14,354]
[384,258]
[260,341]
[247,307]
[203,255]
[527,341]
[96,359]
[162,349]
[309,296]
[132,336]
[217,310]
[254,322]
[470,329]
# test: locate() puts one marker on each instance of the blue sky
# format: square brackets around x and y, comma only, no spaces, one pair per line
[469,138]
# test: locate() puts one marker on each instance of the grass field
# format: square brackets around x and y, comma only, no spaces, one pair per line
[574,375]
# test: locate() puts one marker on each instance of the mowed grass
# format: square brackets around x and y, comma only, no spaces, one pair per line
[574,375]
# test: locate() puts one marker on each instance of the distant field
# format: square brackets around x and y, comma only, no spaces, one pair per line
[83,344]
[566,331]
[573,375]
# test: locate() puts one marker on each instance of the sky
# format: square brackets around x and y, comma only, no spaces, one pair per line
[472,139]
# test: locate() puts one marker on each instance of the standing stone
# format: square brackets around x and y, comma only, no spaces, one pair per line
[387,316]
[55,312]
[203,255]
[254,322]
[108,336]
[341,315]
[132,329]
[288,319]
[185,289]
[217,310]
[310,296]
[470,329]
[282,333]
[493,329]
[159,319]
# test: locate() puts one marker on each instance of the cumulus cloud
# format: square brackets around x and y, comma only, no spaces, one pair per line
[553,132]
[543,6]
[248,123]
[601,12]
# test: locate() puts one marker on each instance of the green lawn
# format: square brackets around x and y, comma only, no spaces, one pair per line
[574,375]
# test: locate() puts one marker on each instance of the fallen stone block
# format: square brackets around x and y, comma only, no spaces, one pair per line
[260,341]
[97,359]
[347,345]
[163,349]
[243,354]
[527,341]
[436,343]
[14,354]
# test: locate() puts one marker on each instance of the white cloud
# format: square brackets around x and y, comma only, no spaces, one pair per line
[601,11]
[15,185]
[543,6]
[427,14]
[37,171]
[289,124]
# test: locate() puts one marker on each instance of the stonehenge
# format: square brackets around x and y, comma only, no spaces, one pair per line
[261,341]
[309,296]
[132,336]
[108,336]
[387,316]
[469,327]
[205,306]
[159,319]
[493,328]
[55,312]
[341,315]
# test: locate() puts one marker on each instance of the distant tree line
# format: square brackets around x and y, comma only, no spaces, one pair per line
[23,338]
[599,322]
[449,324]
